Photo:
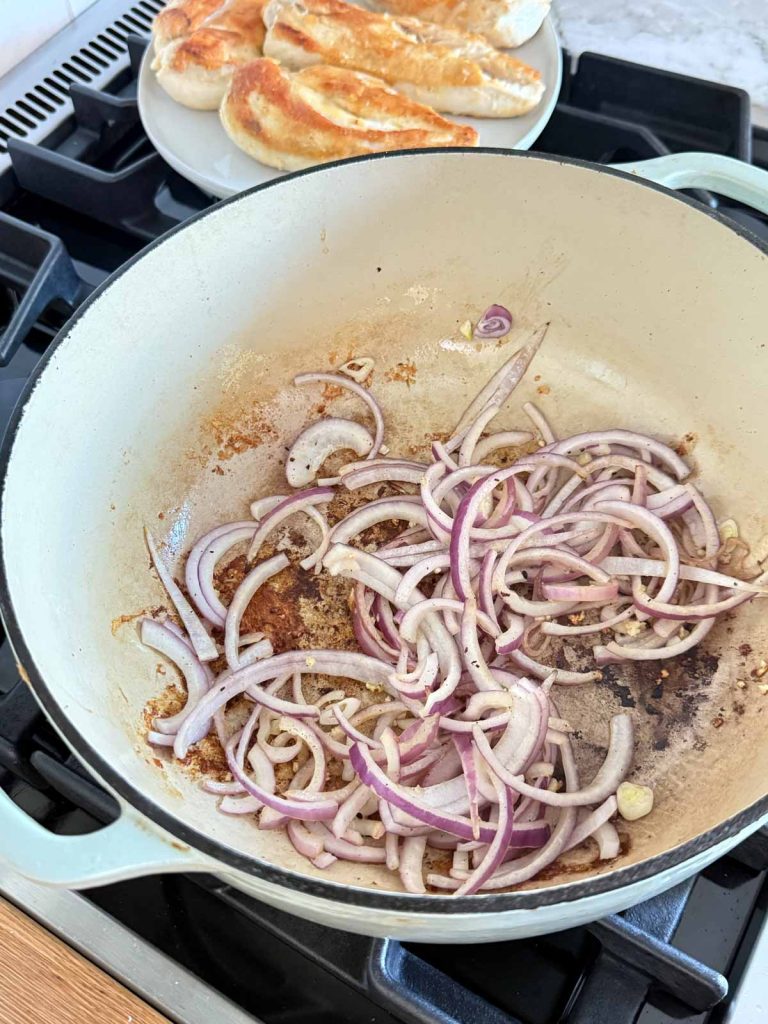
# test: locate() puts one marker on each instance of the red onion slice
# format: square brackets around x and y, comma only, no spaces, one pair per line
[498,848]
[629,439]
[211,554]
[191,570]
[240,601]
[298,502]
[163,640]
[504,381]
[406,508]
[495,322]
[320,440]
[357,389]
[204,646]
[613,770]
[502,439]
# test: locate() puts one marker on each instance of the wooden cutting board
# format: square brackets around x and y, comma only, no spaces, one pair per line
[43,981]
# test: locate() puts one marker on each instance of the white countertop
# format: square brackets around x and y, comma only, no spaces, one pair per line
[721,40]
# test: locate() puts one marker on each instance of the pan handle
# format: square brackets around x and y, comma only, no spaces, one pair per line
[128,848]
[723,174]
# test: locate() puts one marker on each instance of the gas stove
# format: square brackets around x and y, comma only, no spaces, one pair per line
[81,191]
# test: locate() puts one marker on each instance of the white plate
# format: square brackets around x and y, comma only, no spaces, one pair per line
[194,143]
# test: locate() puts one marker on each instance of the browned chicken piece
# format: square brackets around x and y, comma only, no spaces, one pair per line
[502,22]
[195,69]
[293,120]
[450,70]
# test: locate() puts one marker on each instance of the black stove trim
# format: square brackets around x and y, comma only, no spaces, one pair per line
[319,888]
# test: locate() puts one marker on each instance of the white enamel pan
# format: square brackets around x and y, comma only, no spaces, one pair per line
[166,400]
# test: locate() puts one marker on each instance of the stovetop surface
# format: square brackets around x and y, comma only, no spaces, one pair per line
[97,187]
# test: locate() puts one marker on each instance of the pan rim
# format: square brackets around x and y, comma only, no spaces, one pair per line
[483,904]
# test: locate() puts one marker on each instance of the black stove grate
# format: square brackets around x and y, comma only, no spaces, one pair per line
[79,205]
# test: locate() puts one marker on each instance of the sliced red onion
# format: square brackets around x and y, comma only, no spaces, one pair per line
[690,612]
[401,472]
[397,796]
[540,422]
[593,821]
[313,561]
[578,593]
[612,772]
[406,508]
[349,730]
[466,751]
[191,570]
[472,655]
[528,866]
[504,381]
[671,650]
[163,640]
[315,747]
[645,520]
[629,439]
[608,841]
[240,805]
[317,662]
[462,528]
[497,850]
[204,646]
[556,629]
[320,440]
[495,322]
[617,566]
[441,765]
[350,385]
[473,435]
[159,739]
[211,554]
[305,843]
[562,676]
[343,850]
[321,809]
[298,502]
[411,863]
[240,601]
[502,439]
[410,623]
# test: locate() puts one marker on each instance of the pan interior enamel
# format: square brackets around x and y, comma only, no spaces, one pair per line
[169,403]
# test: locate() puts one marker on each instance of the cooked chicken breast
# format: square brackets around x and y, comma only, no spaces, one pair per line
[293,120]
[502,22]
[447,69]
[195,69]
[180,18]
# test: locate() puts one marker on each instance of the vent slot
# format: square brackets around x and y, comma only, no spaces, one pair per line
[41,104]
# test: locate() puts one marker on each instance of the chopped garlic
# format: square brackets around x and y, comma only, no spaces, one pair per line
[466,329]
[729,530]
[763,688]
[761,669]
[310,662]
[630,627]
[634,801]
[584,459]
